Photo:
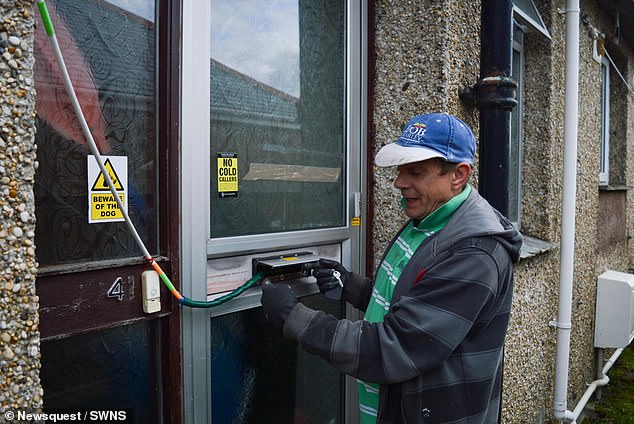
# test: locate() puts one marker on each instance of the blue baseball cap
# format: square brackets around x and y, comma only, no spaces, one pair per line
[433,135]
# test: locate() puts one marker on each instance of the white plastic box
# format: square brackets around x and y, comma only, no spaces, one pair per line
[614,323]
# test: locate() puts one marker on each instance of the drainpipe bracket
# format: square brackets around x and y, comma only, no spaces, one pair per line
[560,325]
[492,92]
[563,11]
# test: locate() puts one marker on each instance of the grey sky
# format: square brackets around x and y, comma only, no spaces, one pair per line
[259,39]
[143,8]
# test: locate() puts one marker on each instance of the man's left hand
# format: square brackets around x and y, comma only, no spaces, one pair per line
[277,302]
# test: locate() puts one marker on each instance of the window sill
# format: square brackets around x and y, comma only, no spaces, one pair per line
[68,268]
[614,187]
[532,246]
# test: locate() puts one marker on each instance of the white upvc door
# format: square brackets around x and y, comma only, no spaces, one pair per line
[272,163]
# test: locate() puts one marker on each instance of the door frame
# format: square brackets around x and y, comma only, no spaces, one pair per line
[196,249]
[72,297]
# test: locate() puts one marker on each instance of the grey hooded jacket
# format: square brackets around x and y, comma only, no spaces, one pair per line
[438,354]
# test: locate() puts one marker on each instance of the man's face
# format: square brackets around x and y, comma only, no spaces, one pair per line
[423,187]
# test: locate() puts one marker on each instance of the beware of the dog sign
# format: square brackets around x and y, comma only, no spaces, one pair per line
[102,206]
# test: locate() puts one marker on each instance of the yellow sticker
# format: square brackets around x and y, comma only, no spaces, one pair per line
[227,174]
[100,183]
[356,222]
[103,207]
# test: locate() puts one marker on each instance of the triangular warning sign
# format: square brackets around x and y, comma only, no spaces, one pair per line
[101,184]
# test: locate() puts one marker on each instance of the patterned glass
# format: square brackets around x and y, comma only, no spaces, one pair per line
[278,112]
[109,51]
[115,369]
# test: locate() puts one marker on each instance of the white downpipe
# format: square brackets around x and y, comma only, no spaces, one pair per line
[601,381]
[563,323]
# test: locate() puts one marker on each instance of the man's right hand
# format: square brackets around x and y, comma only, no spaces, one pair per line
[331,277]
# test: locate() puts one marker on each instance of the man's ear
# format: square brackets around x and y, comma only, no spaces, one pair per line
[461,175]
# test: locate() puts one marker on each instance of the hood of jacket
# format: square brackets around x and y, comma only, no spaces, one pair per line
[477,218]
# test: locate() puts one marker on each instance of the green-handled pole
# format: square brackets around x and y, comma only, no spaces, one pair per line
[50,32]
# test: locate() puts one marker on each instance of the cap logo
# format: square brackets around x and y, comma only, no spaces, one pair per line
[416,131]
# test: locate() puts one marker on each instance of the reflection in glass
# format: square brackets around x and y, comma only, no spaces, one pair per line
[258,376]
[110,56]
[278,105]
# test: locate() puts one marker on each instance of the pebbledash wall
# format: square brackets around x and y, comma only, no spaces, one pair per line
[20,387]
[424,54]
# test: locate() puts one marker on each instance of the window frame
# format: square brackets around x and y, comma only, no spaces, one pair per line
[604,157]
[531,18]
[518,47]
[524,21]
[235,245]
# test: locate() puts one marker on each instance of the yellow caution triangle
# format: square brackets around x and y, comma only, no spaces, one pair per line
[101,184]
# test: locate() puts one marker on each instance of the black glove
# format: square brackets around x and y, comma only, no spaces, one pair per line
[277,302]
[326,274]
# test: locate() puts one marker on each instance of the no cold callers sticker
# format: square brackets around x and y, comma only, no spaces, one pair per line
[227,174]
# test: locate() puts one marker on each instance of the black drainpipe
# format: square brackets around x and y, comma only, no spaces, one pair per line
[494,96]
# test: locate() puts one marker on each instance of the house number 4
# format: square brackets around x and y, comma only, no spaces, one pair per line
[116,290]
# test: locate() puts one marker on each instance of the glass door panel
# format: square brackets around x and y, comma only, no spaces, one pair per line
[278,156]
[113,369]
[109,50]
[257,376]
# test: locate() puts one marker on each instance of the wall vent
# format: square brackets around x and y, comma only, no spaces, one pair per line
[614,320]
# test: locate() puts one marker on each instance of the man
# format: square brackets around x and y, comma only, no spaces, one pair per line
[430,348]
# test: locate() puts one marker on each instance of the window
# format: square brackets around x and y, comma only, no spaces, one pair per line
[116,87]
[526,19]
[515,162]
[277,117]
[604,172]
[613,153]
[527,14]
[111,369]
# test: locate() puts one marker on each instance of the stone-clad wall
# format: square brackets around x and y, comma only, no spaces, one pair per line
[19,336]
[425,53]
